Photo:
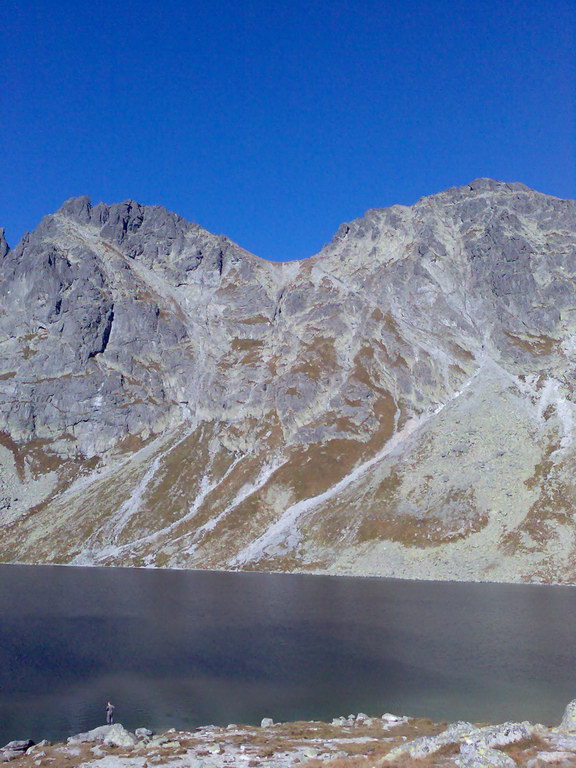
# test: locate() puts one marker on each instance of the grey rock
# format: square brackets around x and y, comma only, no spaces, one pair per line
[174,744]
[473,756]
[477,743]
[428,745]
[266,722]
[314,391]
[143,733]
[111,735]
[158,741]
[500,735]
[561,739]
[18,745]
[569,717]
[38,748]
[4,248]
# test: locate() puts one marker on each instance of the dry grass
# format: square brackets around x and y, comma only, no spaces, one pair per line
[536,345]
[257,745]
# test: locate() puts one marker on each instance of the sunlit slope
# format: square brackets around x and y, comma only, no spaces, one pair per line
[400,404]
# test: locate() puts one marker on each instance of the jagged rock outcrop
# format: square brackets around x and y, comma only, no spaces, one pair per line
[400,404]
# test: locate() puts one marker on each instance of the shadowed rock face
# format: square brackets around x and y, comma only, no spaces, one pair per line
[400,404]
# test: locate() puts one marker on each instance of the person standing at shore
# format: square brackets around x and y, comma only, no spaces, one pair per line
[110,713]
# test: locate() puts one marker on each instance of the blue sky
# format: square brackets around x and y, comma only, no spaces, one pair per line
[274,122]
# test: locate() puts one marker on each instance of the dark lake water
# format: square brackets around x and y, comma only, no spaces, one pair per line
[177,648]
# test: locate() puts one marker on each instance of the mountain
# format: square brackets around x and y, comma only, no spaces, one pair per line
[400,404]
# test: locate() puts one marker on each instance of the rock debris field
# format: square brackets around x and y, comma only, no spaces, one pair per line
[356,741]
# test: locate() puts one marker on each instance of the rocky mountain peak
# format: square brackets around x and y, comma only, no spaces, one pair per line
[4,247]
[400,404]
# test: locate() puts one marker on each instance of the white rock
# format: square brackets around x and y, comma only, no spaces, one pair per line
[118,736]
[392,718]
[143,733]
[569,719]
[369,721]
[339,721]
[266,722]
[112,735]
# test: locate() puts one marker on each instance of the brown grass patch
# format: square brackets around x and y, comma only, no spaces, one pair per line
[244,345]
[535,344]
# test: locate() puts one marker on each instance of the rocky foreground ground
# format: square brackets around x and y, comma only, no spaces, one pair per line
[357,741]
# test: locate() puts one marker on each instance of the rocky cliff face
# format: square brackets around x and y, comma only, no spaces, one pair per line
[400,404]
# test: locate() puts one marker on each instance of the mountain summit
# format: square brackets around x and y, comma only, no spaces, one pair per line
[400,404]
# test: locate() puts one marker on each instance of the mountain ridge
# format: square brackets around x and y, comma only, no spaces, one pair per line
[168,398]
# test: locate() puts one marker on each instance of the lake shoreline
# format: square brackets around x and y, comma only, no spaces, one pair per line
[356,741]
[302,573]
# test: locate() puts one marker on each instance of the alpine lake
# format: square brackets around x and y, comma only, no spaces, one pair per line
[187,648]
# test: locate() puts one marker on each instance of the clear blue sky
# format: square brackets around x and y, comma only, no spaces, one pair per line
[273,122]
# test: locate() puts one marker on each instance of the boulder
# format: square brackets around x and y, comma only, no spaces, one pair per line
[143,733]
[20,745]
[475,741]
[118,736]
[473,756]
[391,719]
[569,719]
[561,741]
[111,735]
[158,741]
[500,735]
[370,721]
[266,722]
[427,745]
[339,721]
[35,748]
